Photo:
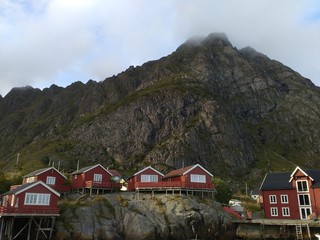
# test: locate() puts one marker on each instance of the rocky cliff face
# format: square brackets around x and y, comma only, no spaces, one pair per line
[122,216]
[229,110]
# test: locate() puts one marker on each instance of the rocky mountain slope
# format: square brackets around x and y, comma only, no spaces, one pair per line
[236,112]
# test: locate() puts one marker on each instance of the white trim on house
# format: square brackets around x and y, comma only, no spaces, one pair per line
[149,167]
[294,172]
[90,168]
[36,183]
[45,170]
[197,165]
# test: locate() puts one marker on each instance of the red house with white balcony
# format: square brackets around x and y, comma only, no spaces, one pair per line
[145,178]
[96,178]
[35,198]
[51,176]
[191,177]
[293,195]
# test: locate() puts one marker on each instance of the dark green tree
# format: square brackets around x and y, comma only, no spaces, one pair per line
[224,193]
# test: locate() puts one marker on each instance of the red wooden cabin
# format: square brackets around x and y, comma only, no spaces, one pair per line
[145,178]
[293,195]
[51,176]
[34,198]
[95,177]
[191,177]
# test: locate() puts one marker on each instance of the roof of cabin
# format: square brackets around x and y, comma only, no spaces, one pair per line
[86,169]
[315,174]
[276,181]
[114,173]
[42,170]
[183,171]
[146,168]
[26,186]
[177,172]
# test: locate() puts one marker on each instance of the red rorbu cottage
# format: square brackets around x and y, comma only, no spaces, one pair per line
[51,176]
[95,178]
[145,178]
[32,206]
[291,195]
[31,198]
[191,177]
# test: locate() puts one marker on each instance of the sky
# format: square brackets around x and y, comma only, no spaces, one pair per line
[45,42]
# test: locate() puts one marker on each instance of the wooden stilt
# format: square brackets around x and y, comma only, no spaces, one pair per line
[11,228]
[38,230]
[29,228]
[1,227]
[52,226]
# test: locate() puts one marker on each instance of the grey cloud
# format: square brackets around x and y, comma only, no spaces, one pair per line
[64,41]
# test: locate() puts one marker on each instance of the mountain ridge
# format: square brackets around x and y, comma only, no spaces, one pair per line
[230,110]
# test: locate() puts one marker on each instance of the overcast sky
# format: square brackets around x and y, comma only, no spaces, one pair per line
[45,42]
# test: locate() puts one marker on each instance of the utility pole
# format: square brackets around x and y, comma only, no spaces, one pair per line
[18,156]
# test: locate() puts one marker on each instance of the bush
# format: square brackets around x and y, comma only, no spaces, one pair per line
[224,193]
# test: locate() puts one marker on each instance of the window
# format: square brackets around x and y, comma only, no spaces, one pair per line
[30,179]
[37,199]
[274,211]
[285,212]
[273,199]
[51,180]
[304,199]
[5,201]
[97,177]
[284,199]
[302,186]
[149,178]
[17,203]
[12,200]
[198,178]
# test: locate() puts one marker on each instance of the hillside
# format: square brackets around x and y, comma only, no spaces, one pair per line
[236,112]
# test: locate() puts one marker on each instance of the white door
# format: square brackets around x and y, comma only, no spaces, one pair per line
[305,212]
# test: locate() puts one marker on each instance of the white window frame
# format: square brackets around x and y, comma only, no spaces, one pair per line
[302,188]
[51,180]
[284,198]
[149,178]
[13,197]
[198,178]
[304,202]
[273,199]
[37,199]
[30,179]
[286,212]
[274,211]
[97,177]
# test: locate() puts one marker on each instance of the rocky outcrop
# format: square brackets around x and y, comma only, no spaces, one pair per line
[123,216]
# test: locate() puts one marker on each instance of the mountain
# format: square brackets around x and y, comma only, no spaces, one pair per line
[236,112]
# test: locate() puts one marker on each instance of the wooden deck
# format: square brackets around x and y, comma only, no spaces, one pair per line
[12,211]
[173,185]
[284,222]
[277,229]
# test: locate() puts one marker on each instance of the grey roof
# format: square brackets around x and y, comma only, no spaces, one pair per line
[36,172]
[42,170]
[81,170]
[315,174]
[276,181]
[21,187]
[85,169]
[26,186]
